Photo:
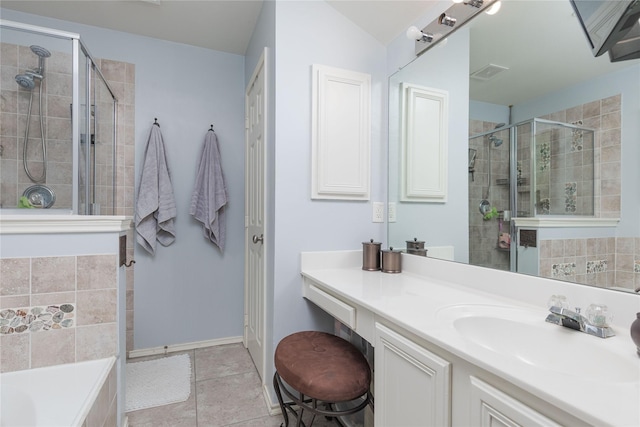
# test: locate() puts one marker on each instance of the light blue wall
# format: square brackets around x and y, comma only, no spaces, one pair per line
[300,223]
[488,112]
[438,224]
[189,291]
[296,223]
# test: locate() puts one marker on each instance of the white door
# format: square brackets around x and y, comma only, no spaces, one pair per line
[254,299]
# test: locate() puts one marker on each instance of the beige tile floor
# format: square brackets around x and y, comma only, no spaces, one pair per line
[225,391]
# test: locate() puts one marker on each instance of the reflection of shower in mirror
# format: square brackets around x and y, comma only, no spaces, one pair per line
[472,162]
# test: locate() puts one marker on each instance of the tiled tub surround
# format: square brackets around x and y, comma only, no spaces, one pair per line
[36,319]
[85,282]
[604,262]
[75,395]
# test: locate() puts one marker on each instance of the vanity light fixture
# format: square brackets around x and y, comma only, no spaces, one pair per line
[413,33]
[446,20]
[494,8]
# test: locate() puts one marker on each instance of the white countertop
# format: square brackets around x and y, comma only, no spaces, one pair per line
[609,394]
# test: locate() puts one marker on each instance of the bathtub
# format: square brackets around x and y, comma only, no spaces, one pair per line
[61,395]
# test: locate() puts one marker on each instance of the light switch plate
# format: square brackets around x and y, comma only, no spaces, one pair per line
[391,212]
[378,212]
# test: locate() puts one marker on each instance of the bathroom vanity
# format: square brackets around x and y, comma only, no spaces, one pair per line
[458,345]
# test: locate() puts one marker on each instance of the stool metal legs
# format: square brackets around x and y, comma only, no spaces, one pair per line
[311,404]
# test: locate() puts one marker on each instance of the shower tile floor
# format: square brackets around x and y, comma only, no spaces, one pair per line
[225,391]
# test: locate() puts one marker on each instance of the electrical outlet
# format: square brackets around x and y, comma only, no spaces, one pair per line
[378,212]
[391,212]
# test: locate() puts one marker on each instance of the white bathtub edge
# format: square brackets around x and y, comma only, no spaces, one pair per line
[92,397]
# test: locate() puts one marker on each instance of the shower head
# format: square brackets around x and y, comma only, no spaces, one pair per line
[497,142]
[25,81]
[40,51]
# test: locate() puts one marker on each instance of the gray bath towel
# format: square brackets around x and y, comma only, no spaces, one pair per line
[155,205]
[210,192]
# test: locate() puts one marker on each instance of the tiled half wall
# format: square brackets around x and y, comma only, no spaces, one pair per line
[86,283]
[604,262]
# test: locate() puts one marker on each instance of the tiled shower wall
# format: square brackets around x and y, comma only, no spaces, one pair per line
[604,117]
[603,262]
[57,98]
[483,234]
[121,78]
[33,289]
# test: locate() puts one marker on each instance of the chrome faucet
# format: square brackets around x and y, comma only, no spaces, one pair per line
[574,320]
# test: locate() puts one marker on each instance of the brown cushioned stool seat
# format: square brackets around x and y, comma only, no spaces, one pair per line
[324,370]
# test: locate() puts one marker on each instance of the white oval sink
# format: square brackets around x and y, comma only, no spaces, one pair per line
[525,336]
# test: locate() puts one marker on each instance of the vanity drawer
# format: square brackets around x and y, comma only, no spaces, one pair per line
[332,305]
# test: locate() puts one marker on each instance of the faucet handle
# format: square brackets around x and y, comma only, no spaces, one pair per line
[577,310]
[598,315]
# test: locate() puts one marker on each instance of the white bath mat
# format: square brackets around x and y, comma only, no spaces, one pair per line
[158,382]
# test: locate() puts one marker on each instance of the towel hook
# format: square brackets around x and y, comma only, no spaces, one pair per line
[155,122]
[211,128]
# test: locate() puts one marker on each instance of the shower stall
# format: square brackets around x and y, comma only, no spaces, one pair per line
[534,168]
[59,122]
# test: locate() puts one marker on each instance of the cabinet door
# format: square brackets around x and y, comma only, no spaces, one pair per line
[491,407]
[412,385]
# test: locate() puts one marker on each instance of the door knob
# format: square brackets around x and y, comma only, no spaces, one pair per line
[257,239]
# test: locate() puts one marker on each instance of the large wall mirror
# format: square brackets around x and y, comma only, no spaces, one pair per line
[541,153]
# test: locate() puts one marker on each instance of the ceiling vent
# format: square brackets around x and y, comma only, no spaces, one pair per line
[488,72]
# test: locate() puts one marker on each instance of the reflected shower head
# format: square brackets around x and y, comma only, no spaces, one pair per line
[25,81]
[497,142]
[40,51]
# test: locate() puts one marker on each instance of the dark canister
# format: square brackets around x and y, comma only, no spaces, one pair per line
[635,332]
[391,261]
[416,247]
[415,244]
[371,255]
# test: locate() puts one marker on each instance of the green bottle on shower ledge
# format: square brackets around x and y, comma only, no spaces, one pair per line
[493,213]
[24,203]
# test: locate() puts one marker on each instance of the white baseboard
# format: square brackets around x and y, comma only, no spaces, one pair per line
[273,408]
[183,347]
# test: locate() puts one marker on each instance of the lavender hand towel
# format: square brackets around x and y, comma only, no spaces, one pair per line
[210,192]
[155,205]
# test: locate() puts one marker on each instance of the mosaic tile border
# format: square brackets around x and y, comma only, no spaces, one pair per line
[599,266]
[563,269]
[545,156]
[37,318]
[571,196]
[577,143]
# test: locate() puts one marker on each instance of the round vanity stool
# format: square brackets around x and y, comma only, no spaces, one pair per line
[323,370]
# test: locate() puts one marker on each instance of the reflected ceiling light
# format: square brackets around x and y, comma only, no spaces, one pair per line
[446,20]
[475,3]
[494,8]
[458,1]
[413,33]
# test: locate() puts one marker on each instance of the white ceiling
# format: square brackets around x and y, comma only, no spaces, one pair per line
[517,37]
[223,25]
